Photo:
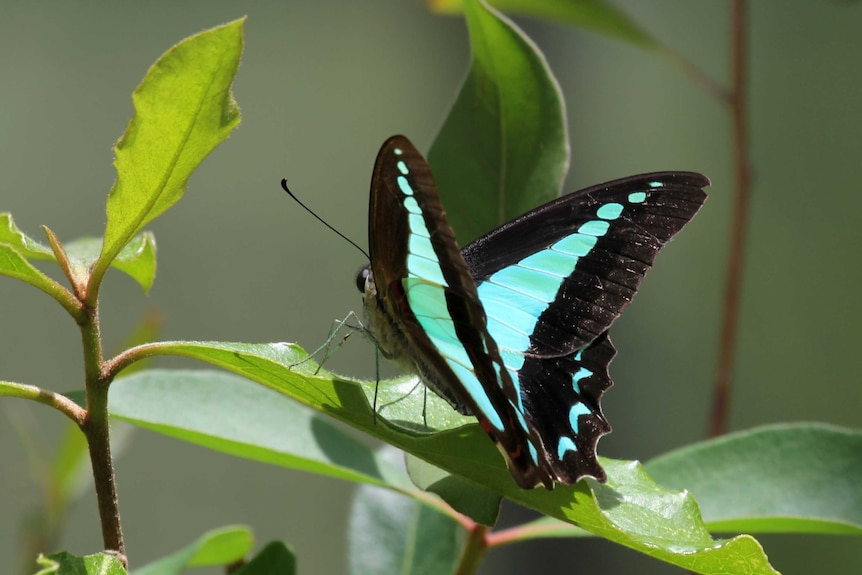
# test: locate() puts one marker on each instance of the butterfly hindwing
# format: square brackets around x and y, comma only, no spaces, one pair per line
[561,396]
[513,329]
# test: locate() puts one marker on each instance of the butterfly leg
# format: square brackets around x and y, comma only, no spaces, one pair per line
[327,349]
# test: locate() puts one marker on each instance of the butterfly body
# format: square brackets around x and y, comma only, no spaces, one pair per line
[513,328]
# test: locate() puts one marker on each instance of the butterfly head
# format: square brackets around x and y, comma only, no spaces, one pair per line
[363,278]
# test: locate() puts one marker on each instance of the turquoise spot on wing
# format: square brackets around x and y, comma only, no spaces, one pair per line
[398,151]
[502,300]
[565,444]
[508,336]
[474,388]
[421,246]
[421,259]
[655,185]
[513,360]
[637,197]
[402,167]
[417,225]
[518,409]
[575,244]
[576,411]
[425,269]
[428,303]
[412,206]
[551,262]
[594,228]
[535,284]
[533,454]
[519,404]
[521,319]
[404,185]
[610,211]
[579,375]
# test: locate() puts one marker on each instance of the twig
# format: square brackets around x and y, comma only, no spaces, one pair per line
[474,550]
[742,187]
[97,429]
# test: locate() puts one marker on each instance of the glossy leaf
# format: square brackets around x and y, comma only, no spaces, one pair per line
[799,478]
[217,547]
[183,109]
[64,563]
[137,259]
[15,265]
[391,534]
[275,558]
[595,15]
[232,415]
[629,509]
[23,244]
[503,148]
[479,504]
[19,390]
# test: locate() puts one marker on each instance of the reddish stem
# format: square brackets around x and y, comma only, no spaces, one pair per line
[742,189]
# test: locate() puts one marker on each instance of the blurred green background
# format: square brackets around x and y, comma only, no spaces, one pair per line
[322,84]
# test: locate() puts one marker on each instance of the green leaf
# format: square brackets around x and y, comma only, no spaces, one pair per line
[479,504]
[183,109]
[629,509]
[137,259]
[595,15]
[20,390]
[222,546]
[391,534]
[15,265]
[217,547]
[799,478]
[275,558]
[229,414]
[503,148]
[64,563]
[23,244]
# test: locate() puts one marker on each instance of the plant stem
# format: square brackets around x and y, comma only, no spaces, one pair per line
[97,429]
[56,400]
[474,550]
[742,188]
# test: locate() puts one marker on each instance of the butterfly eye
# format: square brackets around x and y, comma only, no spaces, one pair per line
[361,276]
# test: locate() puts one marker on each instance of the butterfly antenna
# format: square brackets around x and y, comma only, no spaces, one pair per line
[321,220]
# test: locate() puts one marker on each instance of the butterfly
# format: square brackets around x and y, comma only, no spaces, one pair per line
[513,328]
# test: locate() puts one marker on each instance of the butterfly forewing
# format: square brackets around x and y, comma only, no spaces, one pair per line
[424,310]
[596,244]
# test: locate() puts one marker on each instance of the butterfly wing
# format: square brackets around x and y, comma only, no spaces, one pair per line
[424,311]
[554,280]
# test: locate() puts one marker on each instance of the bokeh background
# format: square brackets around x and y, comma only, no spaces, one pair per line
[322,84]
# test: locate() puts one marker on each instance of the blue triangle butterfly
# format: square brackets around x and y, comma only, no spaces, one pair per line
[513,329]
